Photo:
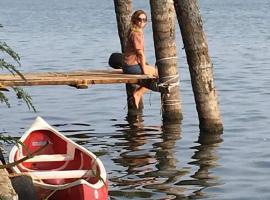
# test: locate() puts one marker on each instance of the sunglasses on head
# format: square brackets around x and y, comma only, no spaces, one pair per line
[141,19]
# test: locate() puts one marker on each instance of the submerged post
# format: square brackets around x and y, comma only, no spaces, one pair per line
[163,23]
[200,65]
[123,11]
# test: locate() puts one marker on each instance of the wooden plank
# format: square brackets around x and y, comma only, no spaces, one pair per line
[73,78]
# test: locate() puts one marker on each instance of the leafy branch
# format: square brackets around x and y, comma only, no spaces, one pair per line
[11,68]
[28,156]
[21,94]
[4,99]
[4,65]
[8,139]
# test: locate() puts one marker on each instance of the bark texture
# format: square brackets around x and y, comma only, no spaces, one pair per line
[163,23]
[123,11]
[200,65]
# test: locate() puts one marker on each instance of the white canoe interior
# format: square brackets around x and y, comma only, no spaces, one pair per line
[61,174]
[50,158]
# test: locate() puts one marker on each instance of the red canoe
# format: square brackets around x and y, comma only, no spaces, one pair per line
[60,168]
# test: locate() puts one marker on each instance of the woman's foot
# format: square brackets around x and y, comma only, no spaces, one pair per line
[137,98]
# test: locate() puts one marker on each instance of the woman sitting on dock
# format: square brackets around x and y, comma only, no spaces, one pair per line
[134,57]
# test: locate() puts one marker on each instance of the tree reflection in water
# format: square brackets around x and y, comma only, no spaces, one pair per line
[206,159]
[151,169]
[136,158]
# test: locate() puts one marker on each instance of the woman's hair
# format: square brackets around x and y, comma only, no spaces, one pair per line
[135,16]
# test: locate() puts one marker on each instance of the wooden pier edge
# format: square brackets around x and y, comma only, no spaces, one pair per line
[79,79]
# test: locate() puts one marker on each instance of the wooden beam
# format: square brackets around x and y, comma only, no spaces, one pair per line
[73,78]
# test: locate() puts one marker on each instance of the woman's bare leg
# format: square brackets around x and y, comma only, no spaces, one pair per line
[137,95]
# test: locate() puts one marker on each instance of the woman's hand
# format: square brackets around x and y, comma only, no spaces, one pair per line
[150,70]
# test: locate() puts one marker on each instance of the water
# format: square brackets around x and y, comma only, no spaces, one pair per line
[144,158]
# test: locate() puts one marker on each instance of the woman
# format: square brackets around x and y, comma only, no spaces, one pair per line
[134,57]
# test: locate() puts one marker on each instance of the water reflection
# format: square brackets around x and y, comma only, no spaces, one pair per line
[81,133]
[151,169]
[145,165]
[135,157]
[167,172]
[149,160]
[206,158]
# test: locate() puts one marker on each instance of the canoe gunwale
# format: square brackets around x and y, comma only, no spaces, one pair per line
[40,124]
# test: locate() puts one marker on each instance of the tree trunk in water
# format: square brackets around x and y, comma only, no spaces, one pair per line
[200,65]
[163,22]
[123,10]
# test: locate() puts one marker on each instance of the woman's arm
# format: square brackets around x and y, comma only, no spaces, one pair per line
[141,60]
[146,69]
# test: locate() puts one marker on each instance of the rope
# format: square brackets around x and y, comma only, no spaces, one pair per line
[50,194]
[171,104]
[168,82]
[164,103]
[167,58]
[171,82]
[171,78]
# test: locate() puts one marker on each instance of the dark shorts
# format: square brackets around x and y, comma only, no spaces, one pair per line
[136,69]
[132,69]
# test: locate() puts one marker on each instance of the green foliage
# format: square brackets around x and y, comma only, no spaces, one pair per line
[4,99]
[4,65]
[8,139]
[21,94]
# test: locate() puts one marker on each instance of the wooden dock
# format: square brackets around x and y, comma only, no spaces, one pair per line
[79,79]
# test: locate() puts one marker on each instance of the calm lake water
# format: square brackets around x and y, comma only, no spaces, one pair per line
[144,158]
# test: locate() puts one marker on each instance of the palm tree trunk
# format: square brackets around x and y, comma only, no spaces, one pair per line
[163,23]
[200,65]
[123,11]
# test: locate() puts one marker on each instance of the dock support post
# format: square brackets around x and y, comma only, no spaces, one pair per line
[200,65]
[163,23]
[123,11]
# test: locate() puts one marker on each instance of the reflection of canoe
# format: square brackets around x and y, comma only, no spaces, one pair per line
[59,167]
